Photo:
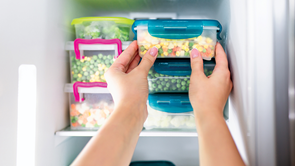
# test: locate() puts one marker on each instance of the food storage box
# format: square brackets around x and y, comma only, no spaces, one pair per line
[90,65]
[103,28]
[176,38]
[89,110]
[169,76]
[172,111]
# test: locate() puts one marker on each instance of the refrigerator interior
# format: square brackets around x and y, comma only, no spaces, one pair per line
[35,32]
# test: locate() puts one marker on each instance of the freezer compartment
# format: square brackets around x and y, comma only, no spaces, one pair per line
[170,76]
[176,38]
[103,28]
[90,65]
[163,120]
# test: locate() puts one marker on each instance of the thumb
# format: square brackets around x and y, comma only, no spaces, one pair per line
[148,60]
[197,63]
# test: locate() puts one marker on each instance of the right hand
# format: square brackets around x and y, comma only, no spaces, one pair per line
[208,95]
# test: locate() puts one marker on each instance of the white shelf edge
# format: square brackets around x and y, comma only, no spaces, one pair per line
[69,46]
[69,89]
[67,132]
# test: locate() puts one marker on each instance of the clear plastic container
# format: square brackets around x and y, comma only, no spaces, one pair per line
[91,111]
[176,38]
[163,120]
[103,28]
[173,77]
[90,65]
[172,111]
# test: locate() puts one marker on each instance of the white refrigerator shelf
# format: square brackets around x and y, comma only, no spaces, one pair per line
[68,132]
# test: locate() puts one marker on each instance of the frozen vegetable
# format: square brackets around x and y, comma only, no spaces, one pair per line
[166,83]
[176,47]
[158,119]
[86,115]
[91,68]
[103,30]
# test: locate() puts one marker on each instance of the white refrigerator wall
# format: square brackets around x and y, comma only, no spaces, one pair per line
[35,32]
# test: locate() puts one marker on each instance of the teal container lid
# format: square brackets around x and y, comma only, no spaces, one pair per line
[177,29]
[175,103]
[151,163]
[181,67]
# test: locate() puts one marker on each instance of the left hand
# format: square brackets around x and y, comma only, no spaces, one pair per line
[127,81]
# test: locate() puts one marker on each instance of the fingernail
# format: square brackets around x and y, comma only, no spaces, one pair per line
[195,53]
[154,51]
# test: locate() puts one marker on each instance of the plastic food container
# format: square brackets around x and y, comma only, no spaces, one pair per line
[168,76]
[91,110]
[176,38]
[90,65]
[172,111]
[103,28]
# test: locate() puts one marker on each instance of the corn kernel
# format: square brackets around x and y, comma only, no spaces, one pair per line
[79,75]
[186,43]
[84,69]
[208,40]
[183,47]
[186,49]
[177,53]
[166,43]
[162,54]
[200,38]
[102,77]
[200,48]
[82,60]
[205,46]
[175,44]
[147,46]
[158,46]
[73,72]
[165,53]
[161,44]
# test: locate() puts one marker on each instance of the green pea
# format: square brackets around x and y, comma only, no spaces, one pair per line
[167,84]
[92,61]
[157,75]
[178,80]
[96,125]
[94,57]
[188,82]
[154,85]
[78,63]
[142,48]
[79,79]
[186,53]
[163,83]
[160,86]
[91,72]
[173,88]
[183,83]
[75,75]
[73,58]
[187,88]
[110,57]
[170,51]
[85,73]
[173,80]
[185,79]
[204,50]
[150,72]
[178,85]
[91,66]
[183,88]
[160,51]
[87,63]
[157,89]
[165,89]
[100,56]
[98,61]
[83,125]
[166,79]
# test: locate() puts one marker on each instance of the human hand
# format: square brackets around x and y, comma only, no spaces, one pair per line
[127,81]
[208,95]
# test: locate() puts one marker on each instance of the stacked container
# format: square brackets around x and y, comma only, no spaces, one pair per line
[169,78]
[98,44]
